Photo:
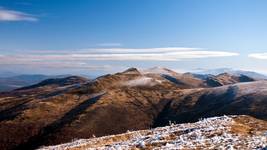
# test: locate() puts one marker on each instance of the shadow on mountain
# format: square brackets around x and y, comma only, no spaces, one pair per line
[40,139]
[13,112]
[207,105]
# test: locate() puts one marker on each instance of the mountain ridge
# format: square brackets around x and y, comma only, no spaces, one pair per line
[115,103]
[218,71]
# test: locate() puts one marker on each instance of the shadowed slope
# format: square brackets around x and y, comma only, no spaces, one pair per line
[42,137]
[245,98]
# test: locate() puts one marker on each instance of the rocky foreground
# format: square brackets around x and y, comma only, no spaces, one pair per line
[225,132]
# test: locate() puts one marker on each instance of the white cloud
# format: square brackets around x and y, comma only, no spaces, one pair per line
[116,54]
[150,54]
[141,50]
[11,15]
[82,59]
[258,55]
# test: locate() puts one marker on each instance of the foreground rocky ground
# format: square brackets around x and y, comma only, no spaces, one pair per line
[225,132]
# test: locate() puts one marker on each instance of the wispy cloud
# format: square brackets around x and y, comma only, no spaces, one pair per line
[258,55]
[111,44]
[12,15]
[73,65]
[151,54]
[117,54]
[83,59]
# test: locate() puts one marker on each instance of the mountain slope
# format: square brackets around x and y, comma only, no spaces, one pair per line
[243,98]
[59,110]
[57,82]
[218,71]
[19,81]
[226,79]
[181,80]
[189,80]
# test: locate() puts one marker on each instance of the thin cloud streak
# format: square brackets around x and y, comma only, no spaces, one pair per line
[12,15]
[105,50]
[62,65]
[164,56]
[119,54]
[82,59]
[109,44]
[141,50]
[258,55]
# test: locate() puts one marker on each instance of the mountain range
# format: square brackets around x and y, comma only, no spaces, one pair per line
[10,80]
[59,110]
[232,71]
[8,83]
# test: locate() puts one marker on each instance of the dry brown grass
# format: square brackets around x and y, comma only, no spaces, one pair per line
[243,127]
[249,125]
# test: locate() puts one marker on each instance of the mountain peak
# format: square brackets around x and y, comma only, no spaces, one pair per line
[158,70]
[224,74]
[131,70]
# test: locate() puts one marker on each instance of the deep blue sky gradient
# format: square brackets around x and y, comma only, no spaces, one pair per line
[228,25]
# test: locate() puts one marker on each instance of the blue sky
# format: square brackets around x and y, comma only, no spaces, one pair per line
[102,36]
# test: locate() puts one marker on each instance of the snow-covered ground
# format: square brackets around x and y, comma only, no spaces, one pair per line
[211,133]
